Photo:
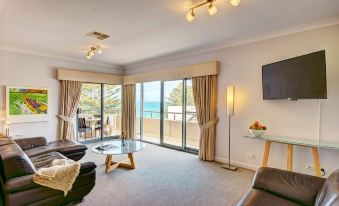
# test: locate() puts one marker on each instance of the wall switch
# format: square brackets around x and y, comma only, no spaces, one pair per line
[250,155]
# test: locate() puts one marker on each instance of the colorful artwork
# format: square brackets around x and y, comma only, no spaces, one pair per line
[27,104]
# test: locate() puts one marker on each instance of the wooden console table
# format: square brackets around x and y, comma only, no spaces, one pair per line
[289,141]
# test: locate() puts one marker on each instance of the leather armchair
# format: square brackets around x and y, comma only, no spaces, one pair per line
[279,187]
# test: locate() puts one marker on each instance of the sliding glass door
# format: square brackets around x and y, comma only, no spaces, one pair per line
[173,110]
[166,114]
[99,112]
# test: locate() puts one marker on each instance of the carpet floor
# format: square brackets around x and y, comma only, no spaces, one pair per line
[166,177]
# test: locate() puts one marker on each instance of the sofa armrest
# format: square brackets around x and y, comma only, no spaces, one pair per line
[26,182]
[297,187]
[31,142]
[20,184]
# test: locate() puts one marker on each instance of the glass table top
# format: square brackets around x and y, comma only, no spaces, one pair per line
[297,141]
[118,147]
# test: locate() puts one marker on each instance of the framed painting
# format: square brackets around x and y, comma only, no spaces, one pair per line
[26,104]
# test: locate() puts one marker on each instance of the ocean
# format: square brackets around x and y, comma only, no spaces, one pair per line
[151,110]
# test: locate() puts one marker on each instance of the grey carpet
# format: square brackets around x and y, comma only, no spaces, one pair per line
[167,177]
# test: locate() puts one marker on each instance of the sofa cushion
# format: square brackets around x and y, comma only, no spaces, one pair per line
[28,143]
[261,198]
[44,160]
[67,146]
[14,162]
[329,193]
[63,146]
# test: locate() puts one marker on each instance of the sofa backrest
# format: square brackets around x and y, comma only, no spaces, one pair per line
[13,161]
[329,193]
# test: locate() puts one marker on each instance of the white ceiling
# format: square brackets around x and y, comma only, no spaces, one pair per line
[144,30]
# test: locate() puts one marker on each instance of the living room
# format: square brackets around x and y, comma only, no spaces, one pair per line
[171,44]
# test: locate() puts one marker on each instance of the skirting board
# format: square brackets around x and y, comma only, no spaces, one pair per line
[238,164]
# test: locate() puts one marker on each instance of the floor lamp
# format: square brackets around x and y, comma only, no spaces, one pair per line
[230,113]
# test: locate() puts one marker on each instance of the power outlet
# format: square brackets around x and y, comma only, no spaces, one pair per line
[250,155]
[311,167]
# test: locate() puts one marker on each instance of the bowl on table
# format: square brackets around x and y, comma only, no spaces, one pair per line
[257,133]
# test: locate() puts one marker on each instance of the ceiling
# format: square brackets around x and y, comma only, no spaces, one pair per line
[144,30]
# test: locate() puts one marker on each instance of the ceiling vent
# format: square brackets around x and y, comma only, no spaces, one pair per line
[98,35]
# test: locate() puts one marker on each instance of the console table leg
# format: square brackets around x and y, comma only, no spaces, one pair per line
[289,157]
[266,154]
[317,168]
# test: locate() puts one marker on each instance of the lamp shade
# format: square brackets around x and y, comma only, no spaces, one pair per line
[230,101]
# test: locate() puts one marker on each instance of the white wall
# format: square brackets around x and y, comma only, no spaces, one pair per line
[27,70]
[241,66]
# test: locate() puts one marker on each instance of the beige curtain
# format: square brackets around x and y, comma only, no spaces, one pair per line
[128,111]
[70,96]
[205,98]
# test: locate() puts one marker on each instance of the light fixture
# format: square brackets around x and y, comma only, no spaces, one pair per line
[212,9]
[93,50]
[190,16]
[235,2]
[230,113]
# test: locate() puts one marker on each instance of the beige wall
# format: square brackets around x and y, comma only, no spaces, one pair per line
[28,70]
[241,66]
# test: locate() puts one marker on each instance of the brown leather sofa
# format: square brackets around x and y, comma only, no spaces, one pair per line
[272,187]
[19,161]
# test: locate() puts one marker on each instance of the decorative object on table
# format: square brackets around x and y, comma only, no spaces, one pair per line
[26,104]
[258,129]
[230,113]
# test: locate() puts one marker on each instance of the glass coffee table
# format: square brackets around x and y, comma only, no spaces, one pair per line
[119,147]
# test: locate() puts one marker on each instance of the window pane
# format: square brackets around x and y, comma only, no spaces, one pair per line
[112,110]
[173,103]
[89,112]
[192,127]
[151,112]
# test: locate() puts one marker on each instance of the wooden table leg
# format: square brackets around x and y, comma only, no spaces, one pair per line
[289,157]
[317,168]
[111,165]
[108,163]
[266,154]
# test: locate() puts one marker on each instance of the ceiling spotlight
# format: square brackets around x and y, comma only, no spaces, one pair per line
[190,16]
[235,2]
[212,9]
[93,50]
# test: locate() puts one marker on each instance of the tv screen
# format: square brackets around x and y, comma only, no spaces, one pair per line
[302,77]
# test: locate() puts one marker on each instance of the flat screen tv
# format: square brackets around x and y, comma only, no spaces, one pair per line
[302,77]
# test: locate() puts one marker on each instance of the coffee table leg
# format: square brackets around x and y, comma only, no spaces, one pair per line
[111,165]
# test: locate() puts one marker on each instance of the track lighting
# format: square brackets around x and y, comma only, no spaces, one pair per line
[190,16]
[212,9]
[235,2]
[93,50]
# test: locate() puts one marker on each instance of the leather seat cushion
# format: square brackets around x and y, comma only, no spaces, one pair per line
[63,146]
[67,146]
[261,198]
[44,160]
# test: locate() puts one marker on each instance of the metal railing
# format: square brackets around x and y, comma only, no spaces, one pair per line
[156,114]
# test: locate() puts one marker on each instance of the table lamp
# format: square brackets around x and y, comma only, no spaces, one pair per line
[230,113]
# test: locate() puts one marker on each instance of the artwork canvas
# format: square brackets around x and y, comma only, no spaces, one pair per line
[26,104]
